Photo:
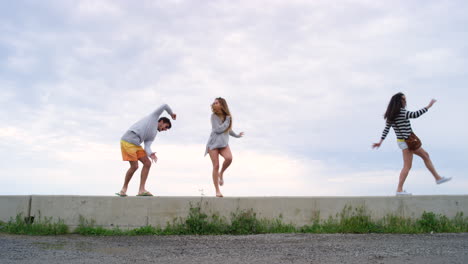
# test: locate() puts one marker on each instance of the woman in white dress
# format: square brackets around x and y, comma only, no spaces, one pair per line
[218,143]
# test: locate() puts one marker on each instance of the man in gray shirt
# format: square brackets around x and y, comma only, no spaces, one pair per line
[145,131]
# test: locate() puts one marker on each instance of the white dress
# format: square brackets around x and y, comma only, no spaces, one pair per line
[219,138]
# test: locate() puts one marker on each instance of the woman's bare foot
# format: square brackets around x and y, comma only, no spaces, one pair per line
[218,194]
[221,181]
[123,192]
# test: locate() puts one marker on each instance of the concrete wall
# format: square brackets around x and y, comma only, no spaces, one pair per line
[11,206]
[132,212]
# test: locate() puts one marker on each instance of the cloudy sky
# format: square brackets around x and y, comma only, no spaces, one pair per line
[307,81]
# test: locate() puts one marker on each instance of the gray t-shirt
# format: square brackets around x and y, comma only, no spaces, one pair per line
[218,137]
[146,129]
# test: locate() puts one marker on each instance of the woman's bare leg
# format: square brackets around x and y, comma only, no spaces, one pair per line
[407,162]
[427,160]
[214,155]
[227,155]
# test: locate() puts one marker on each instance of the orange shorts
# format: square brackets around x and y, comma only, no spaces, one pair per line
[131,152]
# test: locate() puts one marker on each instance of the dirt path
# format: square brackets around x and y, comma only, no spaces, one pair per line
[271,248]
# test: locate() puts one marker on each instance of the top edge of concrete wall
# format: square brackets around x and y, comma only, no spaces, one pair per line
[235,197]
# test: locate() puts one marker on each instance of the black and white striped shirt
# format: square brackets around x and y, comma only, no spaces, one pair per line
[401,125]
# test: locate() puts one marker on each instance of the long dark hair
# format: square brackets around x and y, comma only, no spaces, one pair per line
[394,106]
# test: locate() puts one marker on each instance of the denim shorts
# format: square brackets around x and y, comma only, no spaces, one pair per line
[402,144]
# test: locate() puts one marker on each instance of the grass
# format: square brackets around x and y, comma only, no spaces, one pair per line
[30,226]
[350,220]
[359,221]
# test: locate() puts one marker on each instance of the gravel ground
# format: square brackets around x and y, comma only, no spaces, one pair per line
[270,248]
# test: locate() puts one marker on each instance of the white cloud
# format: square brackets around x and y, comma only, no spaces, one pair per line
[305,81]
[428,63]
[386,26]
[102,8]
[21,63]
[84,168]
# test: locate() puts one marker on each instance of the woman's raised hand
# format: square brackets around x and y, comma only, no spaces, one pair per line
[431,103]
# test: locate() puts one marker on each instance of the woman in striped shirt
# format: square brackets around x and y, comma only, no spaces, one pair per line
[398,117]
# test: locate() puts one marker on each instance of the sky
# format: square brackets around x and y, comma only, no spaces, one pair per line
[307,81]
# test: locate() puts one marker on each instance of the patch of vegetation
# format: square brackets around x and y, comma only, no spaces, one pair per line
[243,222]
[357,220]
[34,226]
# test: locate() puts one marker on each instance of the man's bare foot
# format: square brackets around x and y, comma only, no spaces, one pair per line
[144,193]
[218,194]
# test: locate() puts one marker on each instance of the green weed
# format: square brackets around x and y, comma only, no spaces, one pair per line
[243,222]
[30,226]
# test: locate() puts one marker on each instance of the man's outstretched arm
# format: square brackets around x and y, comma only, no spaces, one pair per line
[165,107]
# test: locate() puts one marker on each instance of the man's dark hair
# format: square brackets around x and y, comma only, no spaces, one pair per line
[165,121]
